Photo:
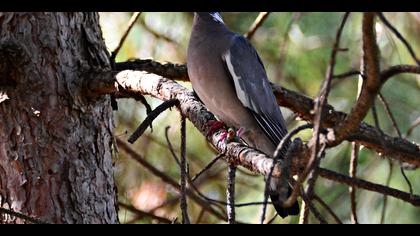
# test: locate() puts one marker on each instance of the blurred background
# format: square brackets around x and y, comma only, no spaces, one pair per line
[295,48]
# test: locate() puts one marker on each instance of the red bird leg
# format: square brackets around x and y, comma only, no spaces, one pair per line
[214,126]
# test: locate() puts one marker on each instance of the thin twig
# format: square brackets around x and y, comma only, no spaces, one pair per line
[376,120]
[257,23]
[165,178]
[304,213]
[207,167]
[283,49]
[413,126]
[348,74]
[200,215]
[21,216]
[389,113]
[133,20]
[157,34]
[273,218]
[146,214]
[399,36]
[231,194]
[388,181]
[280,150]
[328,208]
[352,173]
[363,184]
[184,206]
[312,208]
[397,129]
[151,117]
[170,147]
[319,105]
[136,96]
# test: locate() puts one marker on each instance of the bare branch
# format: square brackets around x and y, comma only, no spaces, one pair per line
[255,161]
[328,208]
[312,208]
[388,181]
[167,70]
[352,173]
[359,183]
[390,115]
[170,147]
[304,213]
[133,20]
[371,84]
[413,126]
[21,216]
[207,167]
[399,36]
[151,117]
[318,150]
[366,135]
[132,153]
[157,34]
[398,69]
[257,23]
[231,194]
[146,214]
[184,177]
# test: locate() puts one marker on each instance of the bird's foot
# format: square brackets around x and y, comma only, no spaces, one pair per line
[233,135]
[229,135]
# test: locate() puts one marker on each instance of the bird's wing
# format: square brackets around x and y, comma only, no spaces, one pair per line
[253,88]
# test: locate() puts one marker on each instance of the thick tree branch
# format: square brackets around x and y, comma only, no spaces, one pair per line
[167,70]
[371,84]
[366,135]
[164,89]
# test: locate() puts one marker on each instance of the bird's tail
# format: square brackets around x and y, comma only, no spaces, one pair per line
[274,194]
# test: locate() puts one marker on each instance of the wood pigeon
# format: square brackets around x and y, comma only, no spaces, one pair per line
[230,79]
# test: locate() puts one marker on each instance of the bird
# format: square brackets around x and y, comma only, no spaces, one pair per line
[229,77]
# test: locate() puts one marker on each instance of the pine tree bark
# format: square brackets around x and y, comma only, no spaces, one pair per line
[55,140]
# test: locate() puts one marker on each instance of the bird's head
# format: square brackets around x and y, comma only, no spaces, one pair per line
[215,16]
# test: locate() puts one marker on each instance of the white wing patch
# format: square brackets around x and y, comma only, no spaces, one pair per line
[217,17]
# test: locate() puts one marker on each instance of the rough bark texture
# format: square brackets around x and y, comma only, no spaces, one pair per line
[55,143]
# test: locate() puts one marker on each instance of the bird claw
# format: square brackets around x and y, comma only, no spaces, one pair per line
[229,135]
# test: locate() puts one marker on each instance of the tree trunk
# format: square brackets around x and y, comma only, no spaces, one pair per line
[55,141]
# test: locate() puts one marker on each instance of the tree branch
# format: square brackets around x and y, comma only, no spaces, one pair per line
[126,148]
[164,89]
[363,184]
[146,214]
[371,84]
[257,23]
[130,25]
[237,153]
[21,216]
[366,135]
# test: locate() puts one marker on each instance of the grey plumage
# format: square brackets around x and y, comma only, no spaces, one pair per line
[230,79]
